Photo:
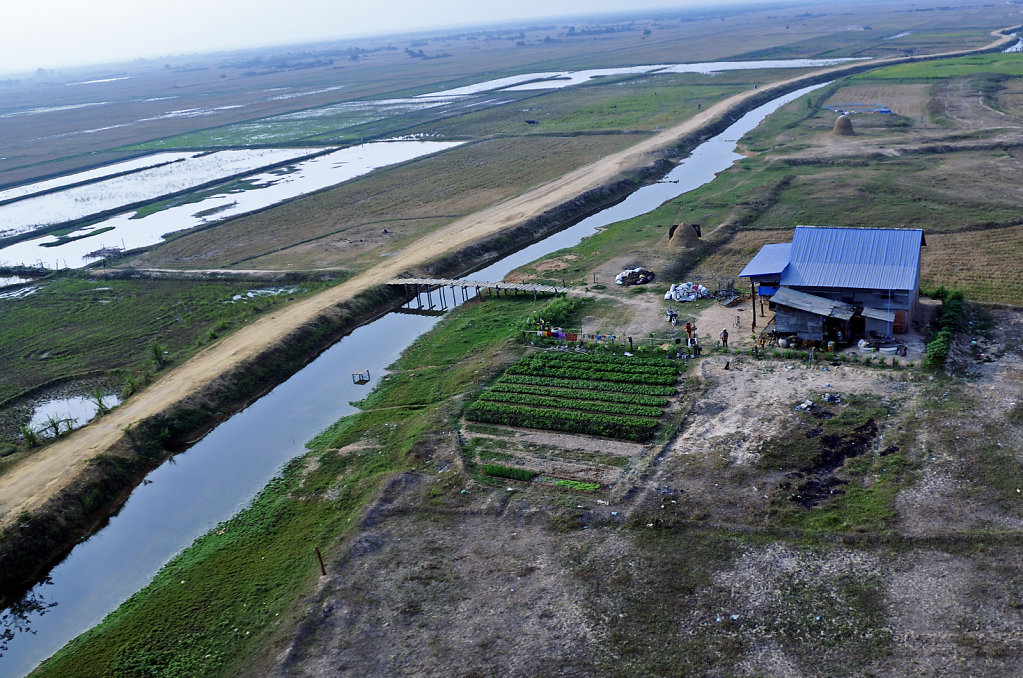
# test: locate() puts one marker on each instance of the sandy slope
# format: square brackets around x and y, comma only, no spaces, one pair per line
[38,477]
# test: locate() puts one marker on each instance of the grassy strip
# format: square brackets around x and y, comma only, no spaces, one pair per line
[511,472]
[608,425]
[979,64]
[606,386]
[630,398]
[233,587]
[577,485]
[572,403]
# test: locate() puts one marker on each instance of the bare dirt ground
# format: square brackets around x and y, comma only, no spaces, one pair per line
[959,100]
[483,581]
[907,100]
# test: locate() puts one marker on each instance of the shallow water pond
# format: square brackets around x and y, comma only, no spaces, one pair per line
[65,414]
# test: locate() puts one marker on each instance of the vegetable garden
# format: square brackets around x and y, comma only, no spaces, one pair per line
[606,395]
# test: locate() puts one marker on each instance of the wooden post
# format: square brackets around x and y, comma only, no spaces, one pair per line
[753,301]
[323,569]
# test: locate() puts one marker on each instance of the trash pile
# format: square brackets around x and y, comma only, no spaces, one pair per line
[634,276]
[687,291]
[829,397]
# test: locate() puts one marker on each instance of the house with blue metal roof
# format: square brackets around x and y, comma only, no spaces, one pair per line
[839,284]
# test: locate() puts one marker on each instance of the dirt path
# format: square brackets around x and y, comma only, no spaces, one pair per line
[30,483]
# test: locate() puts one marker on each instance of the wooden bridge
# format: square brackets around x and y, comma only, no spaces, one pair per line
[414,287]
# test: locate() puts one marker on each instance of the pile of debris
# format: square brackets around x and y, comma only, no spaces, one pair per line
[634,276]
[829,397]
[687,291]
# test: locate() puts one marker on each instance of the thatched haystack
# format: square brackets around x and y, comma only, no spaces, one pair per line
[843,126]
[684,235]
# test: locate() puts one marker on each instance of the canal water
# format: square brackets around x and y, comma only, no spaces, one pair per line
[220,474]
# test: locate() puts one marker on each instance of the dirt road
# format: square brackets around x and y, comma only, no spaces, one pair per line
[40,476]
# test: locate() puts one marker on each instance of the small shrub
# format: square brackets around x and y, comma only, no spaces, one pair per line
[937,348]
[97,397]
[157,353]
[30,437]
[132,383]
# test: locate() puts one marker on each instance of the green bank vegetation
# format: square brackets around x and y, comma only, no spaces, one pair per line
[172,628]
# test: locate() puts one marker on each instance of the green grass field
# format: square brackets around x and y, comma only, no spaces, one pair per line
[981,64]
[75,326]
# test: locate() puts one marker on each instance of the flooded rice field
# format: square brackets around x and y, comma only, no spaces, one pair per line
[89,175]
[171,175]
[130,231]
[560,79]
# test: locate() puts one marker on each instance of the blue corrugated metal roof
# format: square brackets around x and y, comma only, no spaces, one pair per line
[770,260]
[875,258]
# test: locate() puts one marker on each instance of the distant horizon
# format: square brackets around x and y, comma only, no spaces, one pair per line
[229,26]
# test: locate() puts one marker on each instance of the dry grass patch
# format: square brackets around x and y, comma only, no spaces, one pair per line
[1010,99]
[729,259]
[984,264]
[907,99]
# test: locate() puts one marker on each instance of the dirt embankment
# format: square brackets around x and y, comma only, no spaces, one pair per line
[25,489]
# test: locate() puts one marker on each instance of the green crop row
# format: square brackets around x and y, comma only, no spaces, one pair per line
[586,394]
[572,404]
[566,361]
[607,425]
[596,358]
[589,385]
[596,375]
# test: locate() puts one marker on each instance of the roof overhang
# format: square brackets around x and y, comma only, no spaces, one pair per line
[810,303]
[877,314]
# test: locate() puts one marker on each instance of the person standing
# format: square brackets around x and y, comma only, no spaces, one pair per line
[724,338]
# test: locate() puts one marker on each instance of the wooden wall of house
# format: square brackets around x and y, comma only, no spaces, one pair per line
[802,324]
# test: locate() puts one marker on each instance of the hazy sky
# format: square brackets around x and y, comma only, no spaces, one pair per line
[52,33]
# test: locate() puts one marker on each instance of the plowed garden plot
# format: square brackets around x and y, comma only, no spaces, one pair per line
[619,397]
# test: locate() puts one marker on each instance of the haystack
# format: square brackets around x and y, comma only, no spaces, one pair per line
[843,126]
[684,235]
